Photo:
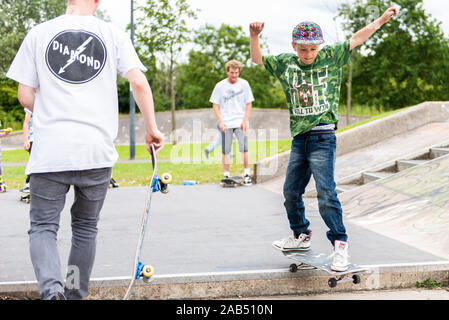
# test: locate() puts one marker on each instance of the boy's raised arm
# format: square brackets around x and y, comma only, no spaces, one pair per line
[362,35]
[255,29]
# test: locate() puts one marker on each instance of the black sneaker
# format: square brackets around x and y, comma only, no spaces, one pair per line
[206,152]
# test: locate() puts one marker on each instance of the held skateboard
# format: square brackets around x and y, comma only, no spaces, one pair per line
[141,270]
[313,260]
[231,182]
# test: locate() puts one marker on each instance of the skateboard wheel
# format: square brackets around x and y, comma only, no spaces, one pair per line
[21,198]
[356,279]
[293,267]
[332,282]
[166,178]
[28,200]
[147,271]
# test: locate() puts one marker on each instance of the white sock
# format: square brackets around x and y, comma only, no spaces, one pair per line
[226,174]
[246,171]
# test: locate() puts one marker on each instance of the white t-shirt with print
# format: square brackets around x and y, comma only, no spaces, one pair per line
[232,99]
[73,62]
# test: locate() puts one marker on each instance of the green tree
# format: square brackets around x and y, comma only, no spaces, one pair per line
[404,63]
[206,66]
[16,19]
[161,34]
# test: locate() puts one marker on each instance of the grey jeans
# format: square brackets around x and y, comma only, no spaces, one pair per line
[226,140]
[48,193]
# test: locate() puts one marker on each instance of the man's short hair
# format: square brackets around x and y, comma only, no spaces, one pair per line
[234,64]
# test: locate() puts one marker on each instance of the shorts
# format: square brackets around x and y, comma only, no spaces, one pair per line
[226,140]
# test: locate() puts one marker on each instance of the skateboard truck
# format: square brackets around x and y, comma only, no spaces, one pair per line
[332,282]
[161,183]
[144,271]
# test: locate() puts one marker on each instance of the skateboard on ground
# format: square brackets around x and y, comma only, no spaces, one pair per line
[314,260]
[25,195]
[231,182]
[140,270]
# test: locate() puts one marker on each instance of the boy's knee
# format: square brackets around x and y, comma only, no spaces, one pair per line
[290,196]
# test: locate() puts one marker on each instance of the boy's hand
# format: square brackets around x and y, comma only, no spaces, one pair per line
[244,125]
[256,28]
[386,17]
[222,127]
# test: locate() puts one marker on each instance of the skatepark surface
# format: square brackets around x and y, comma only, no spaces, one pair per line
[219,234]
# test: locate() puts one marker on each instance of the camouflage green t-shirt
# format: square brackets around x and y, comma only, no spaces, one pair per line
[312,91]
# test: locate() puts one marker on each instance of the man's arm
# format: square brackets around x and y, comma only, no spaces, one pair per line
[26,124]
[364,34]
[255,29]
[244,125]
[144,98]
[26,96]
[216,108]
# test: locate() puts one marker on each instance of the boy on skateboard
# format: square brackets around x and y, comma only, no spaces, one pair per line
[67,70]
[232,102]
[311,81]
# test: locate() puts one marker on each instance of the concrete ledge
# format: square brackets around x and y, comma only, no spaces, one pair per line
[365,135]
[250,283]
[421,152]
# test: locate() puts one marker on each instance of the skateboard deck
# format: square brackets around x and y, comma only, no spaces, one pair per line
[321,261]
[231,182]
[140,270]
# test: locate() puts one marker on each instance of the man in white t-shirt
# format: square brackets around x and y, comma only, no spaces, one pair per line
[67,71]
[232,102]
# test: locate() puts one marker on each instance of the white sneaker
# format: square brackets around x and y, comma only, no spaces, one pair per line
[303,242]
[247,180]
[341,257]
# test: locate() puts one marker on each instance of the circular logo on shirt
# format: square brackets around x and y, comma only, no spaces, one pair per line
[76,56]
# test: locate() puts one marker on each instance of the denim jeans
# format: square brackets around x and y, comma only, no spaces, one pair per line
[48,192]
[313,154]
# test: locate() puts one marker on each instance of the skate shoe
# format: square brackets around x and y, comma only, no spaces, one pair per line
[247,180]
[293,243]
[341,257]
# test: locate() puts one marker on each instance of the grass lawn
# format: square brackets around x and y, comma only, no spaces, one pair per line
[183,161]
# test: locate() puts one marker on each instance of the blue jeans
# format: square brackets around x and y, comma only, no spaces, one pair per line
[313,154]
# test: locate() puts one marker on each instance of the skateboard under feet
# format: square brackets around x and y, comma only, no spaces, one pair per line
[141,270]
[313,260]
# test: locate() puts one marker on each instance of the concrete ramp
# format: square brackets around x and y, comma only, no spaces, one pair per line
[411,206]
